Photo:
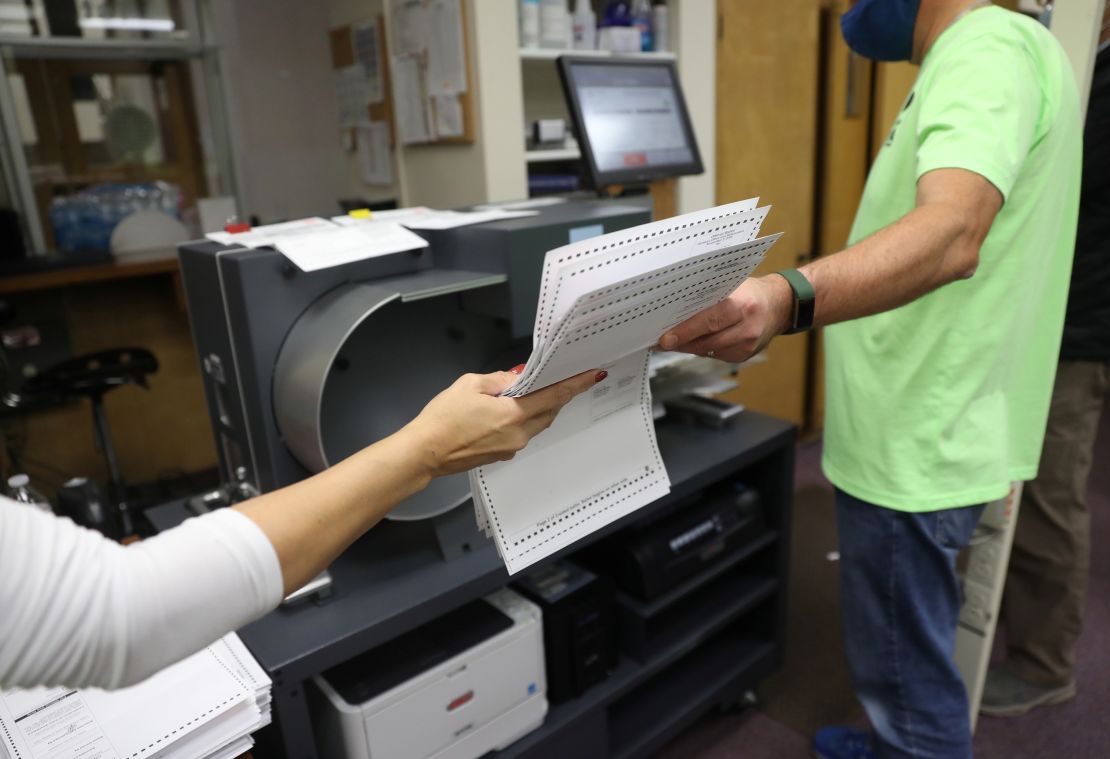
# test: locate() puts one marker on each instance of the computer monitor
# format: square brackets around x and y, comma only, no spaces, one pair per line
[630,119]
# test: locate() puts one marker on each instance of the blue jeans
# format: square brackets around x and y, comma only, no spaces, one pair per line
[900,600]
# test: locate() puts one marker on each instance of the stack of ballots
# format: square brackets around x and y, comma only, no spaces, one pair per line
[603,303]
[207,705]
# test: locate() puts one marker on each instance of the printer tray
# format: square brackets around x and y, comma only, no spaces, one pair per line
[401,659]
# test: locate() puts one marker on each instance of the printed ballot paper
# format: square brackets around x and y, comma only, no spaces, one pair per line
[603,303]
[204,706]
[316,243]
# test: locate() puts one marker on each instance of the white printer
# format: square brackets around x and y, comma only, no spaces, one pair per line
[467,683]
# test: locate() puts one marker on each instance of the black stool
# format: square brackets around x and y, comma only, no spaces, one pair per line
[91,376]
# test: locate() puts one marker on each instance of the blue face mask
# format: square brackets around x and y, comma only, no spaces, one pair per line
[881,30]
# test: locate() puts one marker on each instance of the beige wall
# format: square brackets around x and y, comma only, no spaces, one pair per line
[694,35]
[1076,24]
[282,106]
[492,168]
[343,12]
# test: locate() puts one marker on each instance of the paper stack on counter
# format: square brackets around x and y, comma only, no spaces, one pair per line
[207,705]
[422,217]
[317,243]
[603,303]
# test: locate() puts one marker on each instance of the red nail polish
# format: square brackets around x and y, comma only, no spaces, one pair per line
[517,369]
[600,376]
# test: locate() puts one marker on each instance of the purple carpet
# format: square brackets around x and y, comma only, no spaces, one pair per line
[813,689]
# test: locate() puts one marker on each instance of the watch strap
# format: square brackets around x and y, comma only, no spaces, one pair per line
[804,300]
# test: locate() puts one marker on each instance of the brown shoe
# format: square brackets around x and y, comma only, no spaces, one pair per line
[1007,695]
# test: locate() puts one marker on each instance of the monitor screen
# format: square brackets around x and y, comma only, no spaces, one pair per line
[630,118]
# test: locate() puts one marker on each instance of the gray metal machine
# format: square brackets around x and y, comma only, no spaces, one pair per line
[302,369]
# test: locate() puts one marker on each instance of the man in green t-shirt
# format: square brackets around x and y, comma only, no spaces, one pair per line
[948,305]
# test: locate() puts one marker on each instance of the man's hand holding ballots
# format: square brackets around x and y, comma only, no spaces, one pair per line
[603,303]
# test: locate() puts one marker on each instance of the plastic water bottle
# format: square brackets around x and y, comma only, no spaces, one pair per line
[554,24]
[19,489]
[529,23]
[660,26]
[641,19]
[585,26]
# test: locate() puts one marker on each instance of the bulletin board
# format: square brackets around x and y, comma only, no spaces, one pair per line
[360,60]
[430,72]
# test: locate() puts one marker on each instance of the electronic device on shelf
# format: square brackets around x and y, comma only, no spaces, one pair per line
[649,561]
[579,626]
[630,119]
[703,409]
[469,682]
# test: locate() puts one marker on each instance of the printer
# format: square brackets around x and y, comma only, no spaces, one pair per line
[704,529]
[469,682]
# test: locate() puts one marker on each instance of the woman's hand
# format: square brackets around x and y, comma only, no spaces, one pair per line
[469,424]
[739,326]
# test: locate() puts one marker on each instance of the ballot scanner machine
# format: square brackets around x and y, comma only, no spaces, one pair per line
[301,369]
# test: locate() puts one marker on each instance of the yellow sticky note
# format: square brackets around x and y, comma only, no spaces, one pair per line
[360,213]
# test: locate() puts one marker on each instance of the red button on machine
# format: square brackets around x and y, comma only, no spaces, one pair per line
[463,699]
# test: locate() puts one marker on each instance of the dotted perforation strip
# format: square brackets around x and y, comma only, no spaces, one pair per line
[645,405]
[239,661]
[693,262]
[662,231]
[756,221]
[671,281]
[182,727]
[644,399]
[11,741]
[669,243]
[248,689]
[582,507]
[592,516]
[566,326]
[608,323]
[560,338]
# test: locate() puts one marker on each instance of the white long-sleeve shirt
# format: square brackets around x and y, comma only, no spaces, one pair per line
[80,610]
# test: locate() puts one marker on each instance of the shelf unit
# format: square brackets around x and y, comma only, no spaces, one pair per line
[550,54]
[728,645]
[552,155]
[386,585]
[543,98]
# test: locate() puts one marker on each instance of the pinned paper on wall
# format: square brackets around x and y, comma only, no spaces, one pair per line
[428,71]
[446,74]
[449,115]
[407,23]
[375,160]
[410,103]
[353,93]
[364,41]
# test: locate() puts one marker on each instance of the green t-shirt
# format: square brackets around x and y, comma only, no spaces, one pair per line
[942,403]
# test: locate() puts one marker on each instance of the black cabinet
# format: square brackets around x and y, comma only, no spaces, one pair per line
[705,641]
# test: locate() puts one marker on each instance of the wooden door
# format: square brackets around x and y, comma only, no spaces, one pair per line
[844,157]
[767,90]
[893,82]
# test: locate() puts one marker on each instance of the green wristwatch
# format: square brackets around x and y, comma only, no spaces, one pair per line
[804,297]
